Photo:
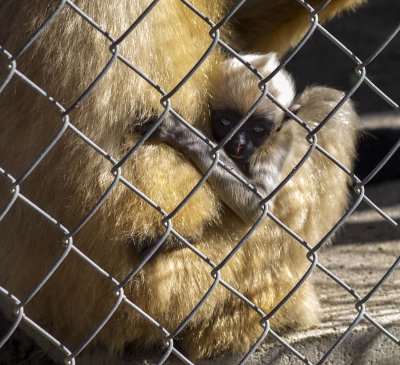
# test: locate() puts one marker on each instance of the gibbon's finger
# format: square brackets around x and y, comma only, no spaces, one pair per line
[143,128]
[166,131]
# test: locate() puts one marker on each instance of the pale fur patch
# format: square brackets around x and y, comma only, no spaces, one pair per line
[237,87]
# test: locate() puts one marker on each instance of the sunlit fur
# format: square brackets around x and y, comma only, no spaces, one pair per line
[64,61]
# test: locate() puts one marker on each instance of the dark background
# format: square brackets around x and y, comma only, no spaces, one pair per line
[322,62]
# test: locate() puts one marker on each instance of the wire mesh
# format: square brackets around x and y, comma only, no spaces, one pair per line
[311,135]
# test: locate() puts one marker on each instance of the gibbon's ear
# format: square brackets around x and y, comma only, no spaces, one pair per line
[294,108]
[265,26]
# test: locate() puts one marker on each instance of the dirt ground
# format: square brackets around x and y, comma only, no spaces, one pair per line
[319,62]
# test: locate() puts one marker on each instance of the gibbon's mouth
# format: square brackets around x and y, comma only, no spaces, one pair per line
[242,156]
[238,157]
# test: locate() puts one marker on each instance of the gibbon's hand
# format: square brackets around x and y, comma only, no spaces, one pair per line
[170,131]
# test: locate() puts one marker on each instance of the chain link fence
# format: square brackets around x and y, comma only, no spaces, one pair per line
[17,193]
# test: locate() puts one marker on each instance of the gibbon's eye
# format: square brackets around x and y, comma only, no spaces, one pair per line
[258,128]
[225,122]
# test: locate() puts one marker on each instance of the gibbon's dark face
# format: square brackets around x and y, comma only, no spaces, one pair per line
[251,136]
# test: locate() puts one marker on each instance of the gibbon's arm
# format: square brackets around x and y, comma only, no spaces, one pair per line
[263,175]
[262,26]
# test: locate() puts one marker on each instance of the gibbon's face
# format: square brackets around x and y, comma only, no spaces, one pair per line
[251,136]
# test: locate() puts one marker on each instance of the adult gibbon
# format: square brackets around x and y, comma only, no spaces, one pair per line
[64,60]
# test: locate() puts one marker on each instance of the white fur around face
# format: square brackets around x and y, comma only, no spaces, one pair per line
[237,87]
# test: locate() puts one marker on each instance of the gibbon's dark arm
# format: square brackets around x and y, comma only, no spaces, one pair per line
[243,201]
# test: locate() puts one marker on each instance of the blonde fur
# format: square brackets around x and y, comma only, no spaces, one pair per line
[64,61]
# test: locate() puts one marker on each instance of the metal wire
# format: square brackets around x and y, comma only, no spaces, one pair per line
[116,166]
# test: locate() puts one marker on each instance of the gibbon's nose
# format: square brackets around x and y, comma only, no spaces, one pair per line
[239,146]
[240,143]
